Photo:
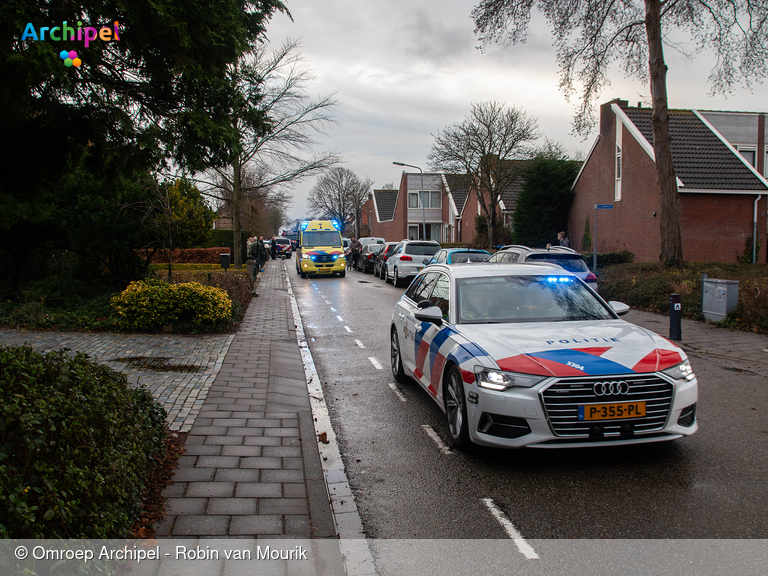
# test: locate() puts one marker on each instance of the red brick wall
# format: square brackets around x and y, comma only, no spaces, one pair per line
[715,227]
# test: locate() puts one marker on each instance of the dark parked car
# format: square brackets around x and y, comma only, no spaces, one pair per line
[564,257]
[367,258]
[380,267]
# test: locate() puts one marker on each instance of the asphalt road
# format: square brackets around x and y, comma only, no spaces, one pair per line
[710,485]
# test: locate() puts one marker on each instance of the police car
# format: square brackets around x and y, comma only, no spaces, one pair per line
[527,355]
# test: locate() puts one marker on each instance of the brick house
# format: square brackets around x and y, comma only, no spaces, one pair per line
[720,163]
[450,208]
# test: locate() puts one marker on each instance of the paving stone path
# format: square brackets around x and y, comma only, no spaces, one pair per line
[177,369]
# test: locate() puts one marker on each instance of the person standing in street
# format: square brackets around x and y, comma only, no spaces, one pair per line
[563,240]
[354,251]
[273,249]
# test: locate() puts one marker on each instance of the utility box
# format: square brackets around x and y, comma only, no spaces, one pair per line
[719,298]
[224,260]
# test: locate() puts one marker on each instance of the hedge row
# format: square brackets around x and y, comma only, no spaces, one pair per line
[192,255]
[78,447]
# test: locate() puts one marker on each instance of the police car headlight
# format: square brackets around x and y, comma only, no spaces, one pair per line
[682,371]
[499,380]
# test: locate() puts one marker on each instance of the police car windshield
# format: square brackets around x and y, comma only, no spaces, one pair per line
[321,238]
[508,299]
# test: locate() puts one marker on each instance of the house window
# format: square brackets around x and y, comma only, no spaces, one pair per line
[617,193]
[749,153]
[413,199]
[413,233]
[432,199]
[433,231]
[437,199]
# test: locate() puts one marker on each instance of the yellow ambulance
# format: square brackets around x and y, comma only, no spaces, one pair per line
[320,250]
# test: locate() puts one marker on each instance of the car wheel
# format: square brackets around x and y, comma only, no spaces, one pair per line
[456,408]
[303,275]
[396,280]
[396,360]
[342,274]
[386,276]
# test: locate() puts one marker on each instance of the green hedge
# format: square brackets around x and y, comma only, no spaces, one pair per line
[605,259]
[152,303]
[77,447]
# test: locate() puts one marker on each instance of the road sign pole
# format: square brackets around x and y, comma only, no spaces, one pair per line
[594,244]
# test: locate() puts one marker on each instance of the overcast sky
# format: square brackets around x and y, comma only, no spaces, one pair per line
[404,69]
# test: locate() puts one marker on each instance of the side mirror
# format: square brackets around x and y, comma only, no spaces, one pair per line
[426,260]
[619,307]
[432,314]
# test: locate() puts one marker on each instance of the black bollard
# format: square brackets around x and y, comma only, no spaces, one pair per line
[675,317]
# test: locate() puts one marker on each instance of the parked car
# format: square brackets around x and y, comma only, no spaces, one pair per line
[408,259]
[566,258]
[527,355]
[380,268]
[460,255]
[371,240]
[367,258]
[282,246]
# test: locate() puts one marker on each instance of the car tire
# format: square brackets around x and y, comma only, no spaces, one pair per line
[456,408]
[303,275]
[386,276]
[342,274]
[396,280]
[395,358]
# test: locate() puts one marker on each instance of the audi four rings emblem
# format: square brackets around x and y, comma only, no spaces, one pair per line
[610,388]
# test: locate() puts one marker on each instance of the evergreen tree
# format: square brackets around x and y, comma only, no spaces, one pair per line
[542,207]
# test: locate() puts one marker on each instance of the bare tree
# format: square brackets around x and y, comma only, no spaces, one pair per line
[480,146]
[590,35]
[266,164]
[339,194]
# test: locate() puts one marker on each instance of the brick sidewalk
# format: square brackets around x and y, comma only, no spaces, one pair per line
[252,466]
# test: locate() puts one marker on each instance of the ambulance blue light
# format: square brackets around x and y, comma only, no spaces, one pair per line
[304,224]
[336,224]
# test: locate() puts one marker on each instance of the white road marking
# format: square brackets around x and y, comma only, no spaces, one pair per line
[510,529]
[396,390]
[333,309]
[340,318]
[359,343]
[436,439]
[375,363]
[327,302]
[348,329]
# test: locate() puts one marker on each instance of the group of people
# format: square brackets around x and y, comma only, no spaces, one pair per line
[259,252]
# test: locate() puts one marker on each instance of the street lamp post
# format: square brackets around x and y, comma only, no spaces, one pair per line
[421,198]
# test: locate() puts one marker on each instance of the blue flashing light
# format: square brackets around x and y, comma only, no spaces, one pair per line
[559,279]
[336,224]
[335,256]
[304,225]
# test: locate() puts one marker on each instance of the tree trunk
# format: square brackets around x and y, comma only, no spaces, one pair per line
[671,244]
[236,197]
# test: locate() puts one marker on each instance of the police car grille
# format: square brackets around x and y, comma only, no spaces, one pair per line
[562,399]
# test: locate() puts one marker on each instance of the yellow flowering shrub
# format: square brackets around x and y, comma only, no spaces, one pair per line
[150,304]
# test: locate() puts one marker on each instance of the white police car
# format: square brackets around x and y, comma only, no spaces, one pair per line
[526,355]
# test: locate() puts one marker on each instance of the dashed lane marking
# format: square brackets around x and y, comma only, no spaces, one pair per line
[348,329]
[526,549]
[397,392]
[333,309]
[375,363]
[436,439]
[360,344]
[340,318]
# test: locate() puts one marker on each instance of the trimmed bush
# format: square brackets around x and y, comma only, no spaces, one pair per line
[77,447]
[152,303]
[605,259]
[192,255]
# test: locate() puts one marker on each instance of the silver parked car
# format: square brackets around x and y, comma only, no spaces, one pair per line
[408,259]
